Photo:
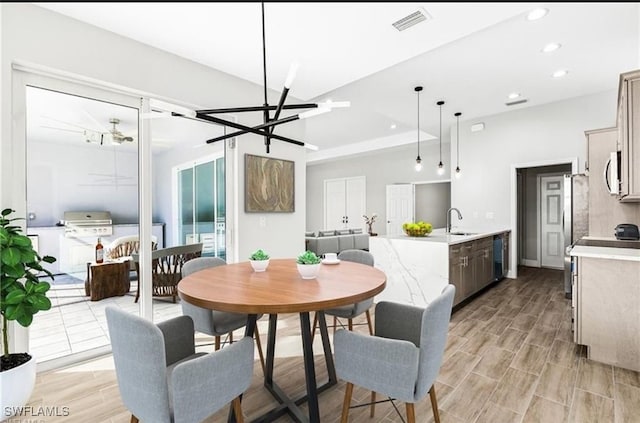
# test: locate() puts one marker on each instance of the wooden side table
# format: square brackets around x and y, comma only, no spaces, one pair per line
[108,279]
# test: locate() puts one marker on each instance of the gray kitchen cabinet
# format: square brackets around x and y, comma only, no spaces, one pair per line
[607,318]
[628,132]
[470,267]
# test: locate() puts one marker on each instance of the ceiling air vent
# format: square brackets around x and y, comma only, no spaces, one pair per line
[513,103]
[410,20]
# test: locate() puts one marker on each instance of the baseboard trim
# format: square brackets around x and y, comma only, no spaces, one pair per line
[530,263]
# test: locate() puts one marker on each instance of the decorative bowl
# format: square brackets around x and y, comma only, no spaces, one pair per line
[417,232]
[417,229]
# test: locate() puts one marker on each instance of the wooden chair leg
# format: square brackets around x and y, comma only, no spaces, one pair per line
[372,412]
[351,325]
[434,404]
[347,402]
[369,322]
[134,419]
[259,345]
[231,337]
[217,342]
[335,324]
[411,413]
[237,410]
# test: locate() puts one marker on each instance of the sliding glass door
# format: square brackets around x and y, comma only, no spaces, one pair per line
[201,205]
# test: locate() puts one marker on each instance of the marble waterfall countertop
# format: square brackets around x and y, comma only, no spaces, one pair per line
[440,235]
[417,268]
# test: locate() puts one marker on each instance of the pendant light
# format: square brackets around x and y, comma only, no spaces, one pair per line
[440,165]
[418,166]
[457,115]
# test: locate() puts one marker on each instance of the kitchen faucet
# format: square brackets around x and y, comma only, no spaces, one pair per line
[448,229]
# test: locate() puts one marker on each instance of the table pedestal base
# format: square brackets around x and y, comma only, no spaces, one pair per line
[287,404]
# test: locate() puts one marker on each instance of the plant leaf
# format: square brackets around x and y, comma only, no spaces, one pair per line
[22,241]
[15,297]
[40,302]
[6,212]
[25,320]
[42,287]
[48,259]
[10,256]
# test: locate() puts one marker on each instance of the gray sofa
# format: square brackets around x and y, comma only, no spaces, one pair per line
[337,240]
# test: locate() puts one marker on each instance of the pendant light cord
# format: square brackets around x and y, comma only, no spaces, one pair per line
[458,138]
[418,123]
[440,133]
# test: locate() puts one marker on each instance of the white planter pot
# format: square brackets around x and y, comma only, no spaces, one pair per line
[259,265]
[308,271]
[16,386]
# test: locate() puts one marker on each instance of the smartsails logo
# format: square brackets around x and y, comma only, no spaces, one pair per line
[33,413]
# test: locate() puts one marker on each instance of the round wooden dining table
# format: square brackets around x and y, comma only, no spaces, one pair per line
[281,289]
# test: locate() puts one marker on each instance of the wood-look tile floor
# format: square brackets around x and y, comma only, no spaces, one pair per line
[510,358]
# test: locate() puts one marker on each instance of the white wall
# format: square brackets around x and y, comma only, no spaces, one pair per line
[76,181]
[535,134]
[381,168]
[283,233]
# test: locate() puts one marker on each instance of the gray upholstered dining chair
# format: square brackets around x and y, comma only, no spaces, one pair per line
[162,379]
[211,322]
[353,310]
[402,359]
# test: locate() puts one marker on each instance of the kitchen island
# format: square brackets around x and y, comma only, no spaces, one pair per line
[418,268]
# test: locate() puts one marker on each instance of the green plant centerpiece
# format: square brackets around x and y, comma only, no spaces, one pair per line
[308,264]
[259,260]
[259,255]
[308,257]
[22,296]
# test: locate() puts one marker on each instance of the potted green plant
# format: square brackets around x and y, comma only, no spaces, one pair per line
[22,296]
[259,261]
[308,265]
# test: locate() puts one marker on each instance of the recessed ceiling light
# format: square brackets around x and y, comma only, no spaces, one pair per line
[560,73]
[513,95]
[393,126]
[536,14]
[551,47]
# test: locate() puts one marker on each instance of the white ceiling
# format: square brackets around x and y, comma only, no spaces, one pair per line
[472,55]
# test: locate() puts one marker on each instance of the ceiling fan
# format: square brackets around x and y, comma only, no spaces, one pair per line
[92,135]
[117,136]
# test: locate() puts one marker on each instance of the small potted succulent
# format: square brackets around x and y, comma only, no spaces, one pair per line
[259,261]
[308,265]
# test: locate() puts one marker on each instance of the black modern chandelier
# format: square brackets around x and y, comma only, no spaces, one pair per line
[270,121]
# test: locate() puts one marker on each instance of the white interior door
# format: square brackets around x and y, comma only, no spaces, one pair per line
[551,212]
[400,207]
[356,202]
[335,203]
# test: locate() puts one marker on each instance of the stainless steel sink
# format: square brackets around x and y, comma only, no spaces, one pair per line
[463,233]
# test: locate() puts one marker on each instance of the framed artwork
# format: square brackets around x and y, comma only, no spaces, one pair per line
[269,185]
